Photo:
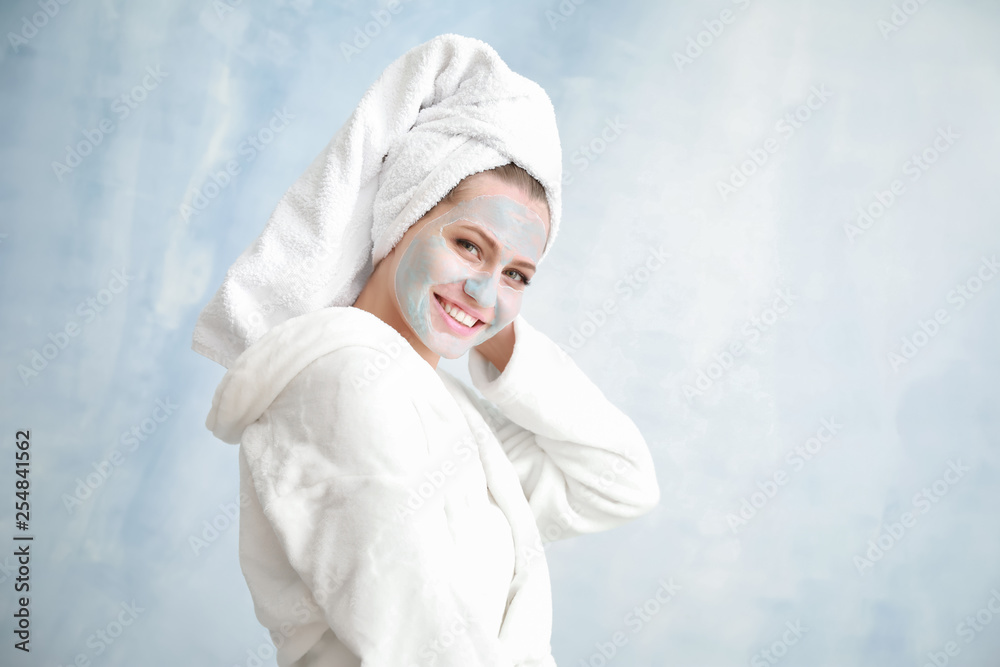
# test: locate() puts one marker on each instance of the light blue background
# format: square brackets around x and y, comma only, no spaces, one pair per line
[654,186]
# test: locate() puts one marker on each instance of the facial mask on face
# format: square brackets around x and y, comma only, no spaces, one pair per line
[439,261]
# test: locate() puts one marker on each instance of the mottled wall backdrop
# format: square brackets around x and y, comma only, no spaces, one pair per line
[779,256]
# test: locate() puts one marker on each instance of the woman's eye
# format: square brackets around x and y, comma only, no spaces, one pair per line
[518,276]
[469,245]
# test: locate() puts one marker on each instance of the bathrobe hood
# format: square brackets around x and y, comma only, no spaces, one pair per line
[264,369]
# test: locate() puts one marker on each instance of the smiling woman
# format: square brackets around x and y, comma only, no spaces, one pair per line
[457,277]
[396,517]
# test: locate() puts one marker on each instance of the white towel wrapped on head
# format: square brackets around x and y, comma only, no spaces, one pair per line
[443,111]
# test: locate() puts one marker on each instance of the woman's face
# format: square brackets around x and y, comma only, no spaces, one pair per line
[461,277]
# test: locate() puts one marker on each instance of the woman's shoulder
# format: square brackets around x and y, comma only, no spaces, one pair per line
[332,355]
[349,355]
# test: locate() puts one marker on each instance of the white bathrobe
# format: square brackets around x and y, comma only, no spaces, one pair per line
[395,518]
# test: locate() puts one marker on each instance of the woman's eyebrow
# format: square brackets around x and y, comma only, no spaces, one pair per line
[486,239]
[524,264]
[494,246]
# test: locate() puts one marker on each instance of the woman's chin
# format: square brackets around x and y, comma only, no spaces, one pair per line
[450,347]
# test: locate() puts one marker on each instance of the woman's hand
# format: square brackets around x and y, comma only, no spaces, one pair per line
[499,348]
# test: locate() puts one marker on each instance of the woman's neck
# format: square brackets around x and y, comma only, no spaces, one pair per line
[379,304]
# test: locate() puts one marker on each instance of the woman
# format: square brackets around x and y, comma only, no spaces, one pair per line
[394,517]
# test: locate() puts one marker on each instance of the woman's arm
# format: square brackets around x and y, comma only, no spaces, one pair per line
[331,462]
[583,464]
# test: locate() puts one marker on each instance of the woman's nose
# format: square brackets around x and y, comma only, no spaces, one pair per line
[483,289]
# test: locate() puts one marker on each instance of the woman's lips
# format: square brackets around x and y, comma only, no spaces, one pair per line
[453,325]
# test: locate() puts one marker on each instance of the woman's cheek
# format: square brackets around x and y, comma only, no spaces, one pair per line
[508,305]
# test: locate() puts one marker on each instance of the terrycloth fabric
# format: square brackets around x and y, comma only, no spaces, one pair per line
[446,109]
[373,532]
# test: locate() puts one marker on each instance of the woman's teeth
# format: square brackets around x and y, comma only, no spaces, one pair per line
[459,315]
